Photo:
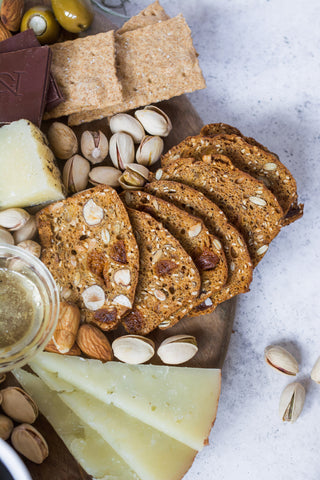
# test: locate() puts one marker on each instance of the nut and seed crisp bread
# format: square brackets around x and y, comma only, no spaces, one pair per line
[86,73]
[155,63]
[152,14]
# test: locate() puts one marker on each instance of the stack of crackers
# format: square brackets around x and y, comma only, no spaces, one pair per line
[150,59]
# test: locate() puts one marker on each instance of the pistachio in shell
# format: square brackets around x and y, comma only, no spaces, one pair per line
[133,349]
[30,443]
[6,427]
[178,349]
[18,405]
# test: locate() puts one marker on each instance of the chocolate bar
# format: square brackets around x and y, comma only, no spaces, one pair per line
[24,81]
[28,39]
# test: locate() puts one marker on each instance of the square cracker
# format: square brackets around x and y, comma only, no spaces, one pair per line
[86,73]
[154,13]
[155,63]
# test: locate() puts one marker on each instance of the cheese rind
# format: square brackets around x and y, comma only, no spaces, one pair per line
[28,174]
[93,453]
[180,402]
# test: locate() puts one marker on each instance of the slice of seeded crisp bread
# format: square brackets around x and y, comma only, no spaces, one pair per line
[155,63]
[152,14]
[86,74]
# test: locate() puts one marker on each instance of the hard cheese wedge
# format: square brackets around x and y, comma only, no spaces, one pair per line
[141,446]
[28,175]
[180,402]
[92,452]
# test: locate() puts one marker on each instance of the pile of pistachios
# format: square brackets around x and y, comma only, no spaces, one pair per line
[18,227]
[145,129]
[293,396]
[19,412]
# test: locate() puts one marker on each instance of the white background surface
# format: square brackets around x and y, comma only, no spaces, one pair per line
[261,62]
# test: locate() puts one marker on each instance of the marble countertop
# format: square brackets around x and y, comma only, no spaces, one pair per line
[261,62]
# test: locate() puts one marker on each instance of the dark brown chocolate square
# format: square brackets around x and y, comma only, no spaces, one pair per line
[28,39]
[24,80]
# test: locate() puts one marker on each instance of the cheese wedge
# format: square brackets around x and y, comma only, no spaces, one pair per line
[141,446]
[180,402]
[28,174]
[93,453]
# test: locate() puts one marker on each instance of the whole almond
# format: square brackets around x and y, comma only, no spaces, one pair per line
[4,32]
[11,14]
[66,330]
[93,343]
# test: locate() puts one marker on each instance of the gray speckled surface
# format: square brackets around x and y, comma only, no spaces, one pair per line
[261,62]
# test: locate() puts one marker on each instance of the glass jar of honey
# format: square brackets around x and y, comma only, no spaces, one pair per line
[29,306]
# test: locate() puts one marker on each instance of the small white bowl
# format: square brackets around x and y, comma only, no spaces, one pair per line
[13,463]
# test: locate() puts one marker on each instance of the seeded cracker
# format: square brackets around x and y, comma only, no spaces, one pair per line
[86,73]
[239,263]
[152,14]
[155,63]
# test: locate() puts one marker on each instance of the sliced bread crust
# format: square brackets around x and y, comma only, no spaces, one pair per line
[89,247]
[237,255]
[168,278]
[260,164]
[246,202]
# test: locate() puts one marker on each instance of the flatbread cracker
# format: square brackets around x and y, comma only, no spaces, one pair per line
[86,73]
[150,73]
[152,14]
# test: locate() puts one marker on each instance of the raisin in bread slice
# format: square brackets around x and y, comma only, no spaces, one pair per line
[194,237]
[258,163]
[89,247]
[168,278]
[237,255]
[246,201]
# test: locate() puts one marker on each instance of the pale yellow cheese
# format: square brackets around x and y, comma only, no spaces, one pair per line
[181,402]
[93,453]
[28,174]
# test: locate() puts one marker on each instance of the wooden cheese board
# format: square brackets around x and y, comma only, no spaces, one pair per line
[212,331]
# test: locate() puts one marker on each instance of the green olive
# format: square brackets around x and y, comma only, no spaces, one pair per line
[73,15]
[43,23]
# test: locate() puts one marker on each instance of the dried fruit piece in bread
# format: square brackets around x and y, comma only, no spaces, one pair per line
[258,163]
[247,203]
[205,249]
[237,255]
[89,247]
[168,278]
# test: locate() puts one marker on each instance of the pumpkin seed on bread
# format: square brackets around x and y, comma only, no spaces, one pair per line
[246,202]
[237,255]
[89,247]
[168,278]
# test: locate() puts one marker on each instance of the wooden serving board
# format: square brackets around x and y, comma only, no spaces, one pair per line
[212,331]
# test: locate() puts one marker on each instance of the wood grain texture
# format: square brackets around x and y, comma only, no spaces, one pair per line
[212,331]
